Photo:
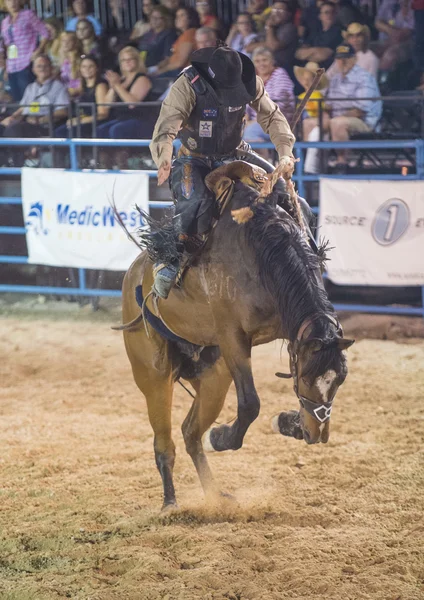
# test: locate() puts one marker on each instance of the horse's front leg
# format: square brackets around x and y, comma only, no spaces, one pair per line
[236,350]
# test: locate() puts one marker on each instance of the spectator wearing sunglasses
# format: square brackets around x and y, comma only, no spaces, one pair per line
[23,38]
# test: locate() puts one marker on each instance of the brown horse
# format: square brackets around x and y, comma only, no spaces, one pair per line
[253,283]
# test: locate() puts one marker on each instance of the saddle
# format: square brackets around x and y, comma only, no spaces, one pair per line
[222,180]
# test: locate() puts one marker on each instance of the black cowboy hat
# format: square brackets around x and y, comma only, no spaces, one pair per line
[231,74]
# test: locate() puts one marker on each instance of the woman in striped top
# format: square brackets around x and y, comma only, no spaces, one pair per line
[279,87]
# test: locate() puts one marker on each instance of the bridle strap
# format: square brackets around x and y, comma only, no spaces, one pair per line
[320,412]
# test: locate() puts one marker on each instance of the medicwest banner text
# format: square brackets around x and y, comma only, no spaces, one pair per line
[70,220]
[376,229]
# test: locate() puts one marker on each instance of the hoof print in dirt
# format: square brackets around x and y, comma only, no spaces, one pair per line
[288,424]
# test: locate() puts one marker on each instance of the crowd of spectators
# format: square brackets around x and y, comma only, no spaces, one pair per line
[70,77]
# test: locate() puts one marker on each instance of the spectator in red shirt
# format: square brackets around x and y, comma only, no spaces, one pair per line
[24,37]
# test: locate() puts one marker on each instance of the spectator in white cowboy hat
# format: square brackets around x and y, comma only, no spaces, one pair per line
[359,36]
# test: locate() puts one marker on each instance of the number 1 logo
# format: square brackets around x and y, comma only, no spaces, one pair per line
[390,222]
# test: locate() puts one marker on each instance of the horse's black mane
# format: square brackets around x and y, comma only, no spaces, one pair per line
[288,268]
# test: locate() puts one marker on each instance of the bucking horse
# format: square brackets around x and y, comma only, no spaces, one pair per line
[255,280]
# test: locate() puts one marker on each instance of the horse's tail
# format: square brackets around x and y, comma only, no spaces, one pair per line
[129,326]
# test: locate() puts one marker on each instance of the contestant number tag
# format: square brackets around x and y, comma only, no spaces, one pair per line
[12,51]
[34,107]
[205,129]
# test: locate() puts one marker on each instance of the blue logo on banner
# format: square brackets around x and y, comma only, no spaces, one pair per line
[391,221]
[35,219]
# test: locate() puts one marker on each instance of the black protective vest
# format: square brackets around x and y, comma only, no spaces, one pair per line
[211,129]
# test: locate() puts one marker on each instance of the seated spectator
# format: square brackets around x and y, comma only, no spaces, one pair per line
[69,60]
[348,113]
[305,75]
[385,16]
[172,5]
[132,86]
[347,13]
[81,11]
[55,28]
[319,46]
[186,22]
[205,38]
[279,87]
[280,35]
[358,36]
[399,44]
[23,38]
[207,15]
[44,102]
[156,44]
[94,91]
[309,20]
[88,40]
[143,25]
[259,11]
[242,33]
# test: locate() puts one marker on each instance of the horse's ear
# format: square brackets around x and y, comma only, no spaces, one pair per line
[344,343]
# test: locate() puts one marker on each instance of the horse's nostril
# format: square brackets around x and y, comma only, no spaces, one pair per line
[306,436]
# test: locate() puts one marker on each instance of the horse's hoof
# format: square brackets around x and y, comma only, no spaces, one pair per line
[274,424]
[206,441]
[169,508]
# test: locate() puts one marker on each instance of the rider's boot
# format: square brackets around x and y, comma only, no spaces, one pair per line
[165,276]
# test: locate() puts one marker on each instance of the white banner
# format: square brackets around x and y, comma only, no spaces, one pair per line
[377,230]
[70,221]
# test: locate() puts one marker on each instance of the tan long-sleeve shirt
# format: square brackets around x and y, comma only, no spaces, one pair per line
[180,102]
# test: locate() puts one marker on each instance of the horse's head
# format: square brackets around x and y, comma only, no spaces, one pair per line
[318,367]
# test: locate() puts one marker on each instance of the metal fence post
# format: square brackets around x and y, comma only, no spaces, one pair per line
[73,154]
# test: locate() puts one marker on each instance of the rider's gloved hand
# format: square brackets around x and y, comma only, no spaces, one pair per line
[287,164]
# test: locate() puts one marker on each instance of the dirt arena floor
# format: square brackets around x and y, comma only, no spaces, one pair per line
[80,494]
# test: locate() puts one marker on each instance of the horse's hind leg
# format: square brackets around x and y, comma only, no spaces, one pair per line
[156,383]
[211,389]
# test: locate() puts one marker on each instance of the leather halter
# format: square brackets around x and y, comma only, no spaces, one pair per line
[319,412]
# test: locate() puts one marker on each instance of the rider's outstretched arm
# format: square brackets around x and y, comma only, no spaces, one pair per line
[272,121]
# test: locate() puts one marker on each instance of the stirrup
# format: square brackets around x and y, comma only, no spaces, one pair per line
[164,279]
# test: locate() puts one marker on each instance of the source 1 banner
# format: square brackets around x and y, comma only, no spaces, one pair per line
[377,230]
[70,220]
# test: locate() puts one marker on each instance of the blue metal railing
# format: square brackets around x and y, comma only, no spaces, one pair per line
[300,177]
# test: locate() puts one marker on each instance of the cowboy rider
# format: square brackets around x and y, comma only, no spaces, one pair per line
[205,108]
